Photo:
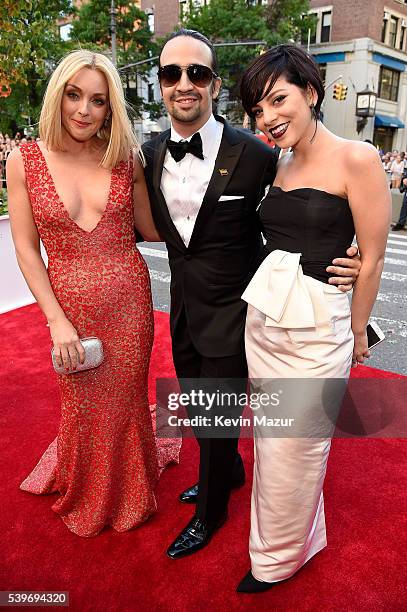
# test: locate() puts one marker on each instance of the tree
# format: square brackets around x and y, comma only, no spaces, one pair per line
[230,21]
[30,47]
[245,20]
[288,20]
[133,37]
[132,32]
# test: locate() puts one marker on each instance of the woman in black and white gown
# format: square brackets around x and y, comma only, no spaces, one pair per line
[300,328]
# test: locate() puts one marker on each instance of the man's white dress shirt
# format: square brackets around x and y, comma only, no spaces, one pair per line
[184,183]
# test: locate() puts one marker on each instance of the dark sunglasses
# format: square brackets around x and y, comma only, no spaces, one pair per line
[199,75]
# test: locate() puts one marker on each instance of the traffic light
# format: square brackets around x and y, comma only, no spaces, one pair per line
[337,93]
[340,91]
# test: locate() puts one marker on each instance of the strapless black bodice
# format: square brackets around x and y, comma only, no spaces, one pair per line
[317,224]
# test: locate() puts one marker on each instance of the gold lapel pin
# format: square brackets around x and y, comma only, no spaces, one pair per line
[223,172]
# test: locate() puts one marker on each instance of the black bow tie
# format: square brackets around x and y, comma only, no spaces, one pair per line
[179,149]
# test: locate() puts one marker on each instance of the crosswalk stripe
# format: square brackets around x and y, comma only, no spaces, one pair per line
[398,236]
[394,276]
[399,242]
[396,251]
[395,262]
[163,277]
[166,277]
[148,252]
[164,255]
[153,252]
[391,297]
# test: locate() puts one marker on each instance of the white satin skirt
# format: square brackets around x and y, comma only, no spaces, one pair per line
[301,332]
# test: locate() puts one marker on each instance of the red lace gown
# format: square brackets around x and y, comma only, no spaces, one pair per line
[104,461]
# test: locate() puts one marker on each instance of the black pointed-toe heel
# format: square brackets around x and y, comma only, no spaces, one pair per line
[249,584]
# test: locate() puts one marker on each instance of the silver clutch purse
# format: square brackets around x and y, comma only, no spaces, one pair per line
[93,356]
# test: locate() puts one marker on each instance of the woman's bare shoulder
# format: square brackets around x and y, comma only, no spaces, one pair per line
[138,164]
[14,162]
[15,155]
[357,153]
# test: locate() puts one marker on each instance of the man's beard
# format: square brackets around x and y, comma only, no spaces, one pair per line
[186,116]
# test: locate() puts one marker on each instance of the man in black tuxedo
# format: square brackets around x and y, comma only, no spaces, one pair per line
[205,181]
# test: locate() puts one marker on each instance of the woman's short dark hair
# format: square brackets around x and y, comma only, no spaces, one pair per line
[197,36]
[289,61]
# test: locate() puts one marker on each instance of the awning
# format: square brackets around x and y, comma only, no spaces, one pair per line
[387,121]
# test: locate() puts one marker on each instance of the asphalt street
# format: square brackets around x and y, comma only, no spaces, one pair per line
[389,311]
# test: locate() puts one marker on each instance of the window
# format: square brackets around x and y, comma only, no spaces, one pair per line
[402,41]
[150,22]
[322,72]
[393,24]
[313,33]
[65,31]
[320,30]
[183,8]
[310,33]
[384,30]
[326,27]
[150,93]
[389,84]
[383,138]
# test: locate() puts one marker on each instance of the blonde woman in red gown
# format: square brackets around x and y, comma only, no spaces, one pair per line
[81,190]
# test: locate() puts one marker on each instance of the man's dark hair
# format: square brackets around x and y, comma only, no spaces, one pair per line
[289,61]
[197,36]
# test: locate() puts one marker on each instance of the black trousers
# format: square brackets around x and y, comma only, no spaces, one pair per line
[217,455]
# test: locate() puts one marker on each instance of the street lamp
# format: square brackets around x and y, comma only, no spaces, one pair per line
[365,107]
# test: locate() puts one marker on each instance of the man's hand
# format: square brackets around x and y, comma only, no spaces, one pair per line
[346,270]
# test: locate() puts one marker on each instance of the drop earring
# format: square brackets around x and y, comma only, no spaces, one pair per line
[106,121]
[315,117]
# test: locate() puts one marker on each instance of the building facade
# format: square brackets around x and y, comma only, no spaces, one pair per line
[164,15]
[361,43]
[364,43]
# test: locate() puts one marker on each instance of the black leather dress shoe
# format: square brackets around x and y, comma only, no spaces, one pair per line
[195,536]
[249,584]
[190,495]
[397,227]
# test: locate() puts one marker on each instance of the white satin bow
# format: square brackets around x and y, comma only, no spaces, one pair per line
[285,295]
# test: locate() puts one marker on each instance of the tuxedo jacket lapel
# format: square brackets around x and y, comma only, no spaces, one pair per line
[159,162]
[230,150]
[157,173]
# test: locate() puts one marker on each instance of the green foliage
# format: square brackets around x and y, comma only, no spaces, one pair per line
[230,21]
[288,20]
[133,37]
[242,20]
[3,202]
[155,110]
[134,41]
[30,47]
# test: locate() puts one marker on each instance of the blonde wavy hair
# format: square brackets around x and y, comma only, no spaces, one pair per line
[118,132]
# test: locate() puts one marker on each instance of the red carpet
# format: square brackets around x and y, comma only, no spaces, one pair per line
[363,567]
